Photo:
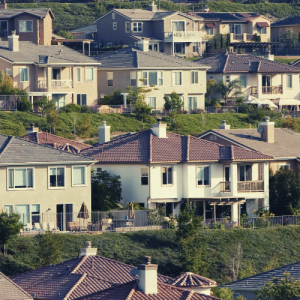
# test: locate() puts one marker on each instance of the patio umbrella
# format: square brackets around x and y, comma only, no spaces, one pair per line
[268,102]
[83,213]
[131,211]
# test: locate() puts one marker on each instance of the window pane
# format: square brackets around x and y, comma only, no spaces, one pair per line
[78,74]
[83,99]
[35,208]
[170,179]
[89,74]
[11,178]
[200,175]
[152,78]
[161,78]
[242,173]
[30,178]
[243,81]
[8,209]
[227,172]
[206,175]
[145,78]
[20,178]
[248,173]
[23,210]
[60,177]
[78,175]
[29,26]
[22,26]
[164,171]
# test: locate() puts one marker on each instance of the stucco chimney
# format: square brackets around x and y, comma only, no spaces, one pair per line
[224,125]
[159,129]
[143,45]
[267,134]
[153,6]
[103,133]
[3,4]
[13,42]
[147,277]
[88,250]
[269,56]
[32,129]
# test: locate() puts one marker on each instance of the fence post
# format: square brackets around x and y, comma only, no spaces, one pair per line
[282,220]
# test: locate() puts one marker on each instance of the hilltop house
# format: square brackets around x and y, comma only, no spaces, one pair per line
[86,32]
[160,168]
[173,33]
[44,185]
[282,26]
[34,25]
[57,72]
[160,72]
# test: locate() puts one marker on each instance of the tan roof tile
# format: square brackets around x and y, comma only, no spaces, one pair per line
[189,279]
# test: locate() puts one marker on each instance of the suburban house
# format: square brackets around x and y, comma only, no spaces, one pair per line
[160,72]
[160,168]
[170,32]
[34,25]
[259,77]
[88,274]
[249,285]
[11,291]
[280,143]
[58,72]
[86,32]
[46,186]
[282,26]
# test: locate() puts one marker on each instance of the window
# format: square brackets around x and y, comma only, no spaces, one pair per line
[110,78]
[127,27]
[153,78]
[8,209]
[154,47]
[21,178]
[192,103]
[283,167]
[235,28]
[78,75]
[167,175]
[243,80]
[78,176]
[137,27]
[178,26]
[89,74]
[133,78]
[99,170]
[81,99]
[35,213]
[245,173]
[203,175]
[289,81]
[3,28]
[227,78]
[24,74]
[179,48]
[261,172]
[113,16]
[151,101]
[210,31]
[195,47]
[144,176]
[23,211]
[262,30]
[57,177]
[8,72]
[226,173]
[194,75]
[177,78]
[25,26]
[114,25]
[212,137]
[56,74]
[59,100]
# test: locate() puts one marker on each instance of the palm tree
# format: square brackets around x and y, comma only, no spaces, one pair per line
[226,89]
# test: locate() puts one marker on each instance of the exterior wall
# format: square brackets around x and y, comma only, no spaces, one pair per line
[249,295]
[275,165]
[264,37]
[275,31]
[45,31]
[43,195]
[28,36]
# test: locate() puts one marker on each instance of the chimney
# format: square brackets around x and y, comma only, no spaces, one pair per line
[205,9]
[152,6]
[103,133]
[143,45]
[269,56]
[147,277]
[159,129]
[267,133]
[3,4]
[13,42]
[32,129]
[224,126]
[88,250]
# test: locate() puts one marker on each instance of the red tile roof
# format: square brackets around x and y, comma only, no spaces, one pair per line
[129,291]
[189,279]
[56,141]
[145,147]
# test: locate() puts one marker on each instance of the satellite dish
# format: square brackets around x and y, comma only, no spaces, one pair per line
[260,130]
[134,272]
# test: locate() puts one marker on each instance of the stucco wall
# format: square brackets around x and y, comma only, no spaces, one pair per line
[27,36]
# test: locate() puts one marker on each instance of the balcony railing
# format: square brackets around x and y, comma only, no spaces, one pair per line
[225,187]
[250,37]
[43,84]
[250,186]
[238,37]
[272,89]
[182,35]
[253,90]
[61,84]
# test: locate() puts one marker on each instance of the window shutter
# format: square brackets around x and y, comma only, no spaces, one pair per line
[78,99]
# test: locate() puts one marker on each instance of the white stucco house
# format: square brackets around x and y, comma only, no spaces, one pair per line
[160,168]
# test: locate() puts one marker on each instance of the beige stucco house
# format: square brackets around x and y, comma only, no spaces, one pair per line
[280,27]
[44,185]
[58,72]
[161,73]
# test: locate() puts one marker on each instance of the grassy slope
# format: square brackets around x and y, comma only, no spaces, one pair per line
[285,60]
[263,249]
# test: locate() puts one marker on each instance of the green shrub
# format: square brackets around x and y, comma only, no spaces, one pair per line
[72,107]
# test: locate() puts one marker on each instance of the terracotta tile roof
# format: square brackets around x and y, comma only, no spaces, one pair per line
[189,279]
[76,277]
[129,291]
[243,63]
[11,291]
[145,147]
[56,141]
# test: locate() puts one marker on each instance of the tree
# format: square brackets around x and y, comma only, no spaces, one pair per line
[106,191]
[226,294]
[286,288]
[288,39]
[48,250]
[53,120]
[44,105]
[10,225]
[225,89]
[174,103]
[66,34]
[115,98]
[84,128]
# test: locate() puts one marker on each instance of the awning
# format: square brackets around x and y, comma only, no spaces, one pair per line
[253,100]
[220,200]
[262,24]
[286,101]
[210,25]
[162,200]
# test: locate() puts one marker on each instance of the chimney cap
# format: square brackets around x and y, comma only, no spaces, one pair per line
[267,119]
[147,260]
[224,122]
[104,123]
[158,120]
[31,125]
[88,244]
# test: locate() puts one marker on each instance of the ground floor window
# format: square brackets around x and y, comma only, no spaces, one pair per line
[179,48]
[64,215]
[192,103]
[151,101]
[59,100]
[81,99]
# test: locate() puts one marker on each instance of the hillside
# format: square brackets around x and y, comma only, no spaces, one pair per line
[263,249]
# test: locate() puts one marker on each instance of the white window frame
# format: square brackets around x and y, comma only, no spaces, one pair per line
[162,178]
[113,16]
[173,83]
[115,25]
[80,71]
[194,77]
[159,76]
[135,28]
[194,100]
[242,81]
[183,21]
[234,27]
[196,44]
[133,77]
[197,179]
[24,68]
[148,101]
[127,27]
[65,178]
[86,74]
[262,30]
[291,82]
[210,31]
[26,25]
[20,189]
[85,175]
[284,166]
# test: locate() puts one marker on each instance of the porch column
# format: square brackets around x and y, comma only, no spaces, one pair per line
[266,204]
[259,86]
[283,84]
[234,213]
[89,49]
[233,179]
[124,99]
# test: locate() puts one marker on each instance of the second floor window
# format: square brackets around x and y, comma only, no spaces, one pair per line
[24,74]
[57,177]
[235,28]
[167,175]
[178,26]
[114,25]
[78,71]
[89,74]
[78,176]
[127,27]
[153,78]
[243,80]
[262,30]
[245,173]
[144,176]
[110,78]
[177,78]
[21,178]
[289,84]
[203,175]
[137,27]
[210,31]
[133,78]
[25,26]
[194,77]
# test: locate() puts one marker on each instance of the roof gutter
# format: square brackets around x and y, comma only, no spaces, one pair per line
[50,163]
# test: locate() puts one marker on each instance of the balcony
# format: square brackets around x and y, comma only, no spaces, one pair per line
[243,37]
[42,84]
[182,36]
[61,84]
[266,90]
[250,186]
[225,187]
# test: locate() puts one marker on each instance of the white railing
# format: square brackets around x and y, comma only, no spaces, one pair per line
[61,84]
[43,84]
[182,34]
